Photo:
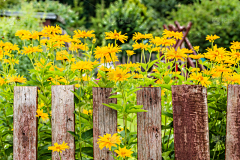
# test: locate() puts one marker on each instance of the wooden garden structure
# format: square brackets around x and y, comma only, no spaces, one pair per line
[190,121]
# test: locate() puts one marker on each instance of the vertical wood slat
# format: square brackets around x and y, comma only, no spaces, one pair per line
[104,120]
[190,121]
[149,124]
[233,123]
[25,123]
[63,120]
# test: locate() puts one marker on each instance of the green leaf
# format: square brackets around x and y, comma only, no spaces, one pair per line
[87,134]
[131,91]
[152,63]
[166,86]
[168,126]
[57,73]
[116,96]
[136,110]
[143,65]
[167,114]
[74,134]
[166,79]
[87,151]
[110,106]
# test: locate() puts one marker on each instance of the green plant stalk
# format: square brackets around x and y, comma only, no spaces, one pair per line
[79,114]
[60,155]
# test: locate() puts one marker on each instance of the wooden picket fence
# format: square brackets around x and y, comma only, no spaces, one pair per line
[190,120]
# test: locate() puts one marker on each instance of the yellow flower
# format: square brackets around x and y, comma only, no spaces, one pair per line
[27,35]
[130,53]
[120,129]
[2,81]
[196,56]
[205,82]
[116,36]
[196,48]
[83,34]
[40,105]
[118,75]
[235,45]
[169,34]
[107,53]
[139,36]
[82,66]
[52,30]
[30,50]
[176,54]
[222,69]
[40,113]
[123,152]
[16,79]
[11,61]
[211,38]
[109,141]
[85,111]
[59,147]
[62,55]
[140,46]
[75,47]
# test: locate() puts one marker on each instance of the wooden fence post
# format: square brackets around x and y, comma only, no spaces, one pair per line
[25,123]
[233,123]
[190,122]
[149,124]
[104,120]
[63,120]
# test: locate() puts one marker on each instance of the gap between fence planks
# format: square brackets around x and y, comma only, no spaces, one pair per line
[25,123]
[63,120]
[149,124]
[104,120]
[233,123]
[190,121]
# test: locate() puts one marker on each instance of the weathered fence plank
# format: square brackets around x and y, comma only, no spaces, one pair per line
[149,124]
[190,119]
[233,123]
[104,120]
[63,120]
[25,123]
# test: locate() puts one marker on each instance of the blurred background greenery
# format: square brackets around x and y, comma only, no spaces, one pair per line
[219,17]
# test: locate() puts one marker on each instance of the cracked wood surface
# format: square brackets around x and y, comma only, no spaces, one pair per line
[190,121]
[149,124]
[25,123]
[63,120]
[233,123]
[104,120]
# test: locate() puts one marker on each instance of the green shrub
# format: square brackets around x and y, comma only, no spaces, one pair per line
[128,17]
[9,26]
[220,17]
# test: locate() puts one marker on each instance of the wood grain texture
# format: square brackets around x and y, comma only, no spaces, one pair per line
[190,121]
[63,120]
[25,123]
[104,120]
[149,124]
[233,123]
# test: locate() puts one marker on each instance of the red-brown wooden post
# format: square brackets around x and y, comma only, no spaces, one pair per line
[63,120]
[233,123]
[25,123]
[104,120]
[149,124]
[190,121]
